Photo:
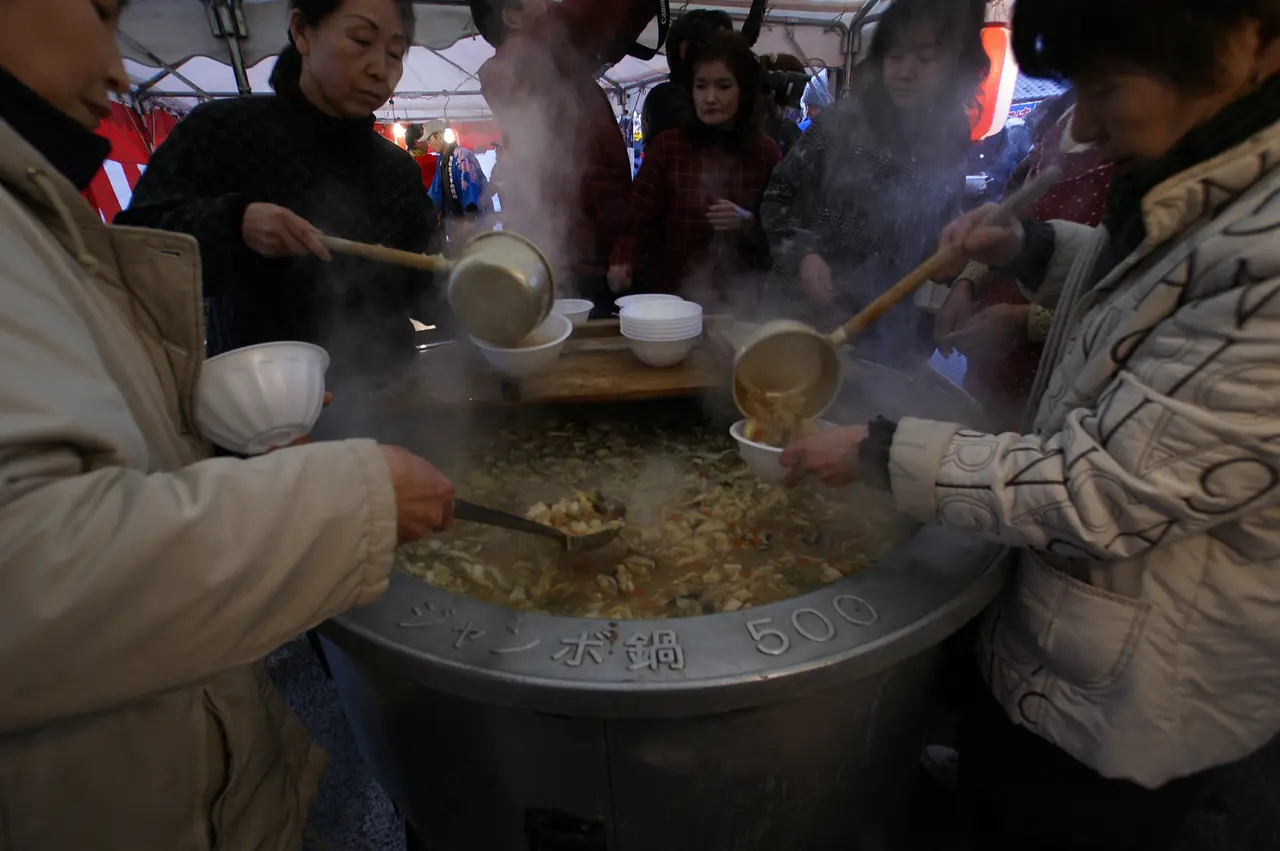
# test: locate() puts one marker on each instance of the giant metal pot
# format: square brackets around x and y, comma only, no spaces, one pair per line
[793,726]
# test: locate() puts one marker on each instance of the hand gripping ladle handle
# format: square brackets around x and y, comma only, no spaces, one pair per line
[1016,204]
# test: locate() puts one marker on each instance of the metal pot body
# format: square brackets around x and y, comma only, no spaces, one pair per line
[789,726]
[822,771]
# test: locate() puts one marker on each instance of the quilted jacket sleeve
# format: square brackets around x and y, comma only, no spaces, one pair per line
[1049,258]
[1181,440]
[116,582]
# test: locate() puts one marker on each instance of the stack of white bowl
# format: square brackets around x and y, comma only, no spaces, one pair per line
[628,300]
[661,332]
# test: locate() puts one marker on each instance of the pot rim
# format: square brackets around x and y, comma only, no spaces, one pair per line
[907,602]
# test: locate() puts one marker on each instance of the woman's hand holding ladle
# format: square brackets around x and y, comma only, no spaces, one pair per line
[993,240]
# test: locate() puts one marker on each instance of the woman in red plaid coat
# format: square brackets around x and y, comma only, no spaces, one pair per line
[694,211]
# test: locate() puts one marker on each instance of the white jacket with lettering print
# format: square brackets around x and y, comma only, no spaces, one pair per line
[1141,633]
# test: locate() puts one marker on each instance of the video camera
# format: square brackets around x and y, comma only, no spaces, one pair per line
[787,87]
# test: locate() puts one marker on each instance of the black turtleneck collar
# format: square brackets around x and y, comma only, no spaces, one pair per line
[319,122]
[75,152]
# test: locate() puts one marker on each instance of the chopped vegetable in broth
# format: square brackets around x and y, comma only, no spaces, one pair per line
[776,419]
[701,534]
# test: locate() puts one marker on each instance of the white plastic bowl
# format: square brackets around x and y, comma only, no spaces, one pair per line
[761,458]
[627,300]
[258,398]
[537,354]
[662,353]
[576,310]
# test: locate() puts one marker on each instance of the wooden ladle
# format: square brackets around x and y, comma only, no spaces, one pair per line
[789,358]
[383,254]
[501,288]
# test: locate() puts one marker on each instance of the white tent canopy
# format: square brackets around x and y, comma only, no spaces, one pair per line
[174,55]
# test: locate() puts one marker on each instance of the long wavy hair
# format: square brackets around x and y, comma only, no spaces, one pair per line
[958,27]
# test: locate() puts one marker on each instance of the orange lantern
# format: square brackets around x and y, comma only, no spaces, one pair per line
[996,95]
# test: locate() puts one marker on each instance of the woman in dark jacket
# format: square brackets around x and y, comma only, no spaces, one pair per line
[694,207]
[863,196]
[255,179]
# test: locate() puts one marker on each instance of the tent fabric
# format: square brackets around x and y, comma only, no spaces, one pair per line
[439,79]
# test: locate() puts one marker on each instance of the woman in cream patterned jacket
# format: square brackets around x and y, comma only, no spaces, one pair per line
[1138,646]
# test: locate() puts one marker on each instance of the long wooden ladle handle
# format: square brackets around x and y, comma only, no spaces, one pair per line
[1015,204]
[394,256]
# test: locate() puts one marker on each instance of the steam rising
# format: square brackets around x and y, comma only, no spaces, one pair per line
[542,164]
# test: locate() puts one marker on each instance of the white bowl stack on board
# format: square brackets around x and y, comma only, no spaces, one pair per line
[628,300]
[663,332]
[263,397]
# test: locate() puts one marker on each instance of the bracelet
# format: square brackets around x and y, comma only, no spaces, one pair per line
[1039,320]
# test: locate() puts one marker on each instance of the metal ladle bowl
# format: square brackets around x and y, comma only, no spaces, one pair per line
[502,288]
[786,357]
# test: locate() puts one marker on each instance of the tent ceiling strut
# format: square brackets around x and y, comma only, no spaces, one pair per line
[134,45]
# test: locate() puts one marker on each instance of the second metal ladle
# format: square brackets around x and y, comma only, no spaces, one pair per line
[469,511]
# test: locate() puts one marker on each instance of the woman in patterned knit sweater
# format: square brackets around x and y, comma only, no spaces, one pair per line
[696,200]
[254,179]
[863,196]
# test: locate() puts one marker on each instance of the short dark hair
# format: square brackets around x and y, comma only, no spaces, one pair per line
[958,26]
[1179,40]
[487,16]
[732,49]
[288,67]
[693,27]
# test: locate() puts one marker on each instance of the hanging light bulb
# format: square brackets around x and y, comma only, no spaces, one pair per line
[449,136]
[398,131]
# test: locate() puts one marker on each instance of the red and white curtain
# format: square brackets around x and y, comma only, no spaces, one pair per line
[133,137]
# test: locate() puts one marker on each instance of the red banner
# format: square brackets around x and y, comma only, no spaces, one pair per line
[133,137]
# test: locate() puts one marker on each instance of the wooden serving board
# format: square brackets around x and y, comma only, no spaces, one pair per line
[596,366]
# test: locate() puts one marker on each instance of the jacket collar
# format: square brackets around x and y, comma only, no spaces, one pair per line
[1204,190]
[53,199]
[75,152]
[158,272]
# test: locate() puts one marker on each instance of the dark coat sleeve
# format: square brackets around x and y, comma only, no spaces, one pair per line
[790,192]
[418,232]
[184,190]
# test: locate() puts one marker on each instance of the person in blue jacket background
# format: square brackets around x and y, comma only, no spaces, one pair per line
[460,188]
